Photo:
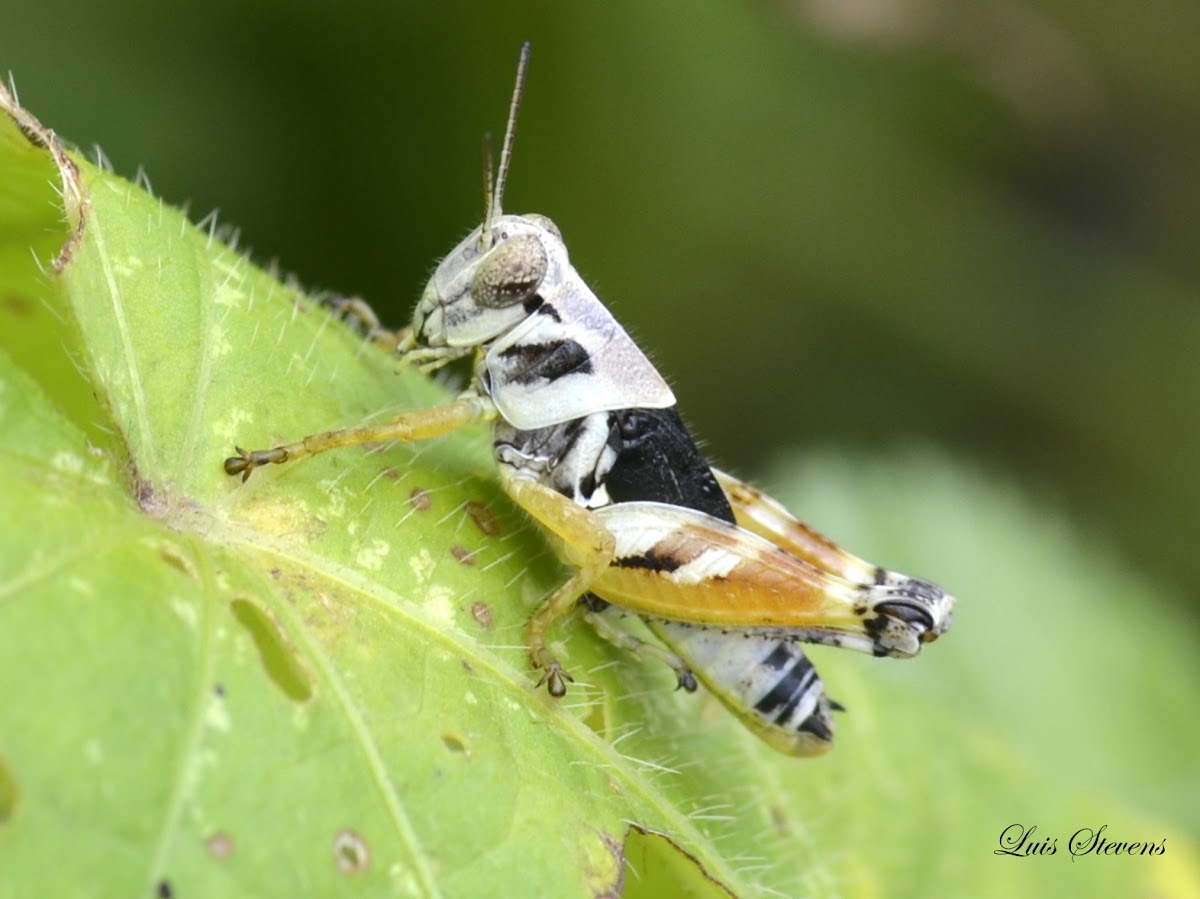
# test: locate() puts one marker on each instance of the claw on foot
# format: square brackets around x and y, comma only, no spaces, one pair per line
[239,464]
[687,680]
[245,462]
[555,679]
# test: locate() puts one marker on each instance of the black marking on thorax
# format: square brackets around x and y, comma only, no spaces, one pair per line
[537,303]
[549,312]
[546,361]
[657,460]
[635,455]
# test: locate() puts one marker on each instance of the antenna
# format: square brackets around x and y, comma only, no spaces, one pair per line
[493,207]
[488,171]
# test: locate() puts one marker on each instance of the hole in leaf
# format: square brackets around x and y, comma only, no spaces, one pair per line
[456,743]
[8,794]
[277,656]
[351,852]
[174,557]
[657,867]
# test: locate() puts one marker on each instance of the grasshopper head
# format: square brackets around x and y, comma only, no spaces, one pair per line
[496,278]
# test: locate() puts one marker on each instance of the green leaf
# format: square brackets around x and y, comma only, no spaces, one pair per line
[316,681]
[1062,698]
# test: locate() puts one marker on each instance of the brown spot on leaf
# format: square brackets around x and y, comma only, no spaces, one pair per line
[464,555]
[482,613]
[419,498]
[219,845]
[16,305]
[351,852]
[483,518]
[146,496]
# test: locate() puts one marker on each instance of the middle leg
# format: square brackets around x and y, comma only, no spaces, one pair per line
[579,539]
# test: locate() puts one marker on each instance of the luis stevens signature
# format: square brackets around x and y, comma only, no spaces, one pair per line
[1023,842]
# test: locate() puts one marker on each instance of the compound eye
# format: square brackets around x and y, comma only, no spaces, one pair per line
[511,273]
[543,222]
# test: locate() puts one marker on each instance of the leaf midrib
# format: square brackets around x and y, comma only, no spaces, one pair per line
[636,782]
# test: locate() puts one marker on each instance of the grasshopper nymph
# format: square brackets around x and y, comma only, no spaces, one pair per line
[588,442]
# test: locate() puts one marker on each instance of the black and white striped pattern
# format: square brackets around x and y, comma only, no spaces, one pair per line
[769,682]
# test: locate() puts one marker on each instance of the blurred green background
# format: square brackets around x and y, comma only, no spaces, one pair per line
[862,225]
